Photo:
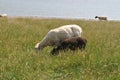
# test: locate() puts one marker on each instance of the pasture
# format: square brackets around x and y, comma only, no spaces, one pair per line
[19,61]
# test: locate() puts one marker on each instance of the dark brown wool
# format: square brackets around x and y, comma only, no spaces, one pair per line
[72,44]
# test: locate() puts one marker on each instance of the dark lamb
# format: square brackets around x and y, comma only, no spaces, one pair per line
[71,43]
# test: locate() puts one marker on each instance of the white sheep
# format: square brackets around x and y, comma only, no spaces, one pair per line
[3,15]
[54,36]
[101,18]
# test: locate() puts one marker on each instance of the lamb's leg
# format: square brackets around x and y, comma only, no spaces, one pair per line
[55,51]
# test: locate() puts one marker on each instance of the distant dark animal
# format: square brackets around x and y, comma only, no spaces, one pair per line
[71,43]
[101,18]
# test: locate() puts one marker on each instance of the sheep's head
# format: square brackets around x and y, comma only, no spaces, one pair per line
[96,17]
[38,47]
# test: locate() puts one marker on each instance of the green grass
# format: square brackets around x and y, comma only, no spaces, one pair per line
[19,61]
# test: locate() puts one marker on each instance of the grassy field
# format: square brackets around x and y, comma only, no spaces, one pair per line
[19,61]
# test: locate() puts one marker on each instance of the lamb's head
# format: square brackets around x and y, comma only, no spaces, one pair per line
[84,43]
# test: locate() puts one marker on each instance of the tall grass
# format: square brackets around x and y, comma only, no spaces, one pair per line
[19,61]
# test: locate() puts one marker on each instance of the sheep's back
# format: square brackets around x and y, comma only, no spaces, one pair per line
[64,32]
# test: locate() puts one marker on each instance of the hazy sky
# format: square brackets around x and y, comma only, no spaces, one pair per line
[62,8]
